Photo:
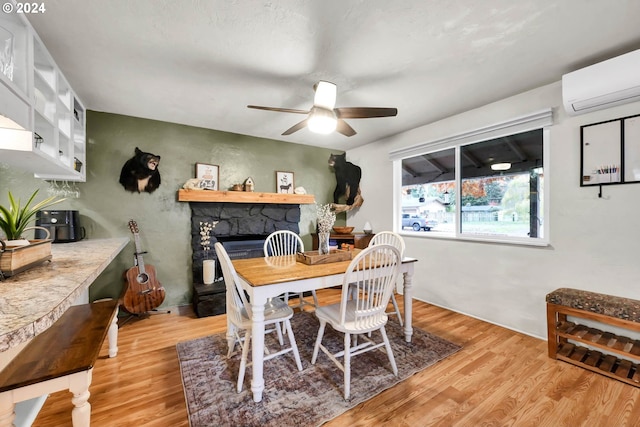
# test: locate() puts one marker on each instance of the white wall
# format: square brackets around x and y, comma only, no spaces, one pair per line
[595,242]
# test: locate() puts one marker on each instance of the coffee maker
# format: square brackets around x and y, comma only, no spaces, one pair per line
[64,226]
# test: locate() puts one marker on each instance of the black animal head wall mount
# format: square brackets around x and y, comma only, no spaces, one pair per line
[140,173]
[347,183]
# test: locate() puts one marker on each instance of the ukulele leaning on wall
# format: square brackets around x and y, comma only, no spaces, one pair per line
[143,292]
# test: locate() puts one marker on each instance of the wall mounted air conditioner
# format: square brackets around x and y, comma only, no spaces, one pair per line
[606,84]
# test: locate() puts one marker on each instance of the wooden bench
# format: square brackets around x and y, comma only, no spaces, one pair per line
[620,312]
[62,357]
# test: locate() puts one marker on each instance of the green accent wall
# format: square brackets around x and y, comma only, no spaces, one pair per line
[164,223]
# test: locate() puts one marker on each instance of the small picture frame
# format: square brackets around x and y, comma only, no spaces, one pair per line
[209,176]
[284,182]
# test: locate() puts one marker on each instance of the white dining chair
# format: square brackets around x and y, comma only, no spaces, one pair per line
[372,273]
[240,315]
[393,239]
[286,242]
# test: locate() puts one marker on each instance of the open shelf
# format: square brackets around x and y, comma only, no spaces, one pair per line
[601,363]
[596,338]
[591,348]
[37,97]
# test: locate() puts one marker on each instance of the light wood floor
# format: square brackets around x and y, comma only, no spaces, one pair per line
[499,378]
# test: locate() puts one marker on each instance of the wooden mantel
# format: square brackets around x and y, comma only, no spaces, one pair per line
[244,197]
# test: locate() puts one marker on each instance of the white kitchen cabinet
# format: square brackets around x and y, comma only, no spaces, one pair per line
[35,95]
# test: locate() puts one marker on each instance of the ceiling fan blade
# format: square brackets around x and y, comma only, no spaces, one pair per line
[344,128]
[281,110]
[295,127]
[325,96]
[365,112]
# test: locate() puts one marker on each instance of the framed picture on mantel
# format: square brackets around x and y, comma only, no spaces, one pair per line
[284,182]
[209,176]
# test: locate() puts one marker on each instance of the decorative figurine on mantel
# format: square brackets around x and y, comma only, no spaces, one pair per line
[248,184]
[193,184]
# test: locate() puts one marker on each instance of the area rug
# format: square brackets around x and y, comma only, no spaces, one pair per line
[296,398]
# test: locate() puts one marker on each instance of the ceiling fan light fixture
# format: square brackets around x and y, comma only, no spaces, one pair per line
[324,118]
[322,121]
[501,166]
[325,96]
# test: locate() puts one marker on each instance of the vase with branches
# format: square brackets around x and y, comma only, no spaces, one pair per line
[208,265]
[326,219]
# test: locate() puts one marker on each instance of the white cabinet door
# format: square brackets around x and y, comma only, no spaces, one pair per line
[35,94]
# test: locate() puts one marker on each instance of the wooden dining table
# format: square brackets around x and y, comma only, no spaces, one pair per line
[265,278]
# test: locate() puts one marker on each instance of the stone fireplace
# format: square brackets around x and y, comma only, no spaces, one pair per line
[242,229]
[244,219]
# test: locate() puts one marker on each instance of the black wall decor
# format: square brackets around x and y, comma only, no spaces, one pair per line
[610,152]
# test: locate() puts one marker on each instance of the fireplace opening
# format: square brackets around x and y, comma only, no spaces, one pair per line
[241,249]
[250,248]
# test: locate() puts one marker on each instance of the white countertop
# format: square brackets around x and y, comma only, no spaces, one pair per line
[33,300]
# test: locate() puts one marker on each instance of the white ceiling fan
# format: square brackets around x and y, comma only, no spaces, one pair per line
[324,118]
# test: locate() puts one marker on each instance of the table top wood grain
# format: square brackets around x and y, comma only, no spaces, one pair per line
[272,270]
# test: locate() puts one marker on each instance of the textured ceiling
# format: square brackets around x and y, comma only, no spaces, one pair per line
[201,62]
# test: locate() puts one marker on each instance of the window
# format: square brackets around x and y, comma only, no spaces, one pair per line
[483,185]
[428,192]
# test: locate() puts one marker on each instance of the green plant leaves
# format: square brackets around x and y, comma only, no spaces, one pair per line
[14,219]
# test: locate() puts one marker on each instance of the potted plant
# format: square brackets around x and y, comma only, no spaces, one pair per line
[14,219]
[17,255]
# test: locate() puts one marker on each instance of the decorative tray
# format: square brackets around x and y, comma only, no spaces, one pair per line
[15,259]
[314,257]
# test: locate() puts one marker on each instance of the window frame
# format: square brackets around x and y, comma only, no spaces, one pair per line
[538,120]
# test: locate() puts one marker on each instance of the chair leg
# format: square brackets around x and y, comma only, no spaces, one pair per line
[302,302]
[318,342]
[231,345]
[395,307]
[294,345]
[281,332]
[232,337]
[299,303]
[278,327]
[387,345]
[243,360]
[232,340]
[347,366]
